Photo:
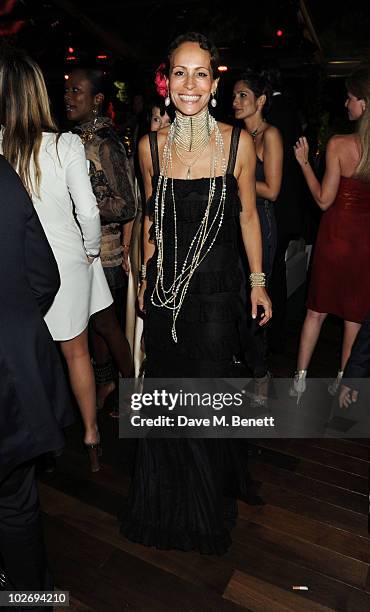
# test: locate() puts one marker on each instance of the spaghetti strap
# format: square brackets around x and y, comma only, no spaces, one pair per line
[154,152]
[233,149]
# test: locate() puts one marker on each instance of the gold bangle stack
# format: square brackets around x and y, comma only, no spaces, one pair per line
[143,272]
[257,279]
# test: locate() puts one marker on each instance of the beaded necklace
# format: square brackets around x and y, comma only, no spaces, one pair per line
[173,295]
[192,135]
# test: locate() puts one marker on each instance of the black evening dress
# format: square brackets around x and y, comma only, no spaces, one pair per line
[183,491]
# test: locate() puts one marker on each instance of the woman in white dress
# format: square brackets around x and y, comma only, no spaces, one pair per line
[53,169]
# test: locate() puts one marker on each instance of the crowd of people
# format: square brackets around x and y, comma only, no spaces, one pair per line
[208,211]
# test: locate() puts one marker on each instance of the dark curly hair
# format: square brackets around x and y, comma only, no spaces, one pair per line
[205,43]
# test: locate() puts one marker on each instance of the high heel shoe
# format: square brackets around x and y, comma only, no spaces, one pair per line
[299,385]
[94,451]
[335,384]
[259,396]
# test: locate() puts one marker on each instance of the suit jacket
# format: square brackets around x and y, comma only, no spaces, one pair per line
[34,397]
[289,204]
[358,365]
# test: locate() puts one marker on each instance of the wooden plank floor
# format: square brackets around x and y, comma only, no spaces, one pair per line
[312,532]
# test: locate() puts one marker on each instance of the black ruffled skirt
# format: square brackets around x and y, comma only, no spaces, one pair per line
[183,492]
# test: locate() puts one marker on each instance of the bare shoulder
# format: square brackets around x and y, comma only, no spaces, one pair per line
[341,142]
[246,155]
[246,142]
[271,133]
[225,129]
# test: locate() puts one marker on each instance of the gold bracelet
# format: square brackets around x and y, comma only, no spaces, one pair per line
[143,272]
[257,279]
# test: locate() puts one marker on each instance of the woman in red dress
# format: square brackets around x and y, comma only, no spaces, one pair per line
[340,282]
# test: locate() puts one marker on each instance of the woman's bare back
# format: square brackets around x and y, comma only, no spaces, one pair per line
[349,153]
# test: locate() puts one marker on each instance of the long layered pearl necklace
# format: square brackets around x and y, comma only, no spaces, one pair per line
[173,296]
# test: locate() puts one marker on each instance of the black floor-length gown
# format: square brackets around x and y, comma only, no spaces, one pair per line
[183,490]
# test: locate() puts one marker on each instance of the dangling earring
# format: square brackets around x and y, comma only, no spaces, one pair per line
[167,101]
[95,113]
[213,100]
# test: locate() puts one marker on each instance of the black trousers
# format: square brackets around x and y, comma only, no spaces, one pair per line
[22,548]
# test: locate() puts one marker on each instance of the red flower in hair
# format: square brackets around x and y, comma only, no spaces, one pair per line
[160,81]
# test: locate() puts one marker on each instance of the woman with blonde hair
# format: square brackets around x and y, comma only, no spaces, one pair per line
[340,282]
[53,169]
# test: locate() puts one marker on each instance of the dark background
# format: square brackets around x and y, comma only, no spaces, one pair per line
[321,42]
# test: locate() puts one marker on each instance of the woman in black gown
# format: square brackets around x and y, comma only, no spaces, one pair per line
[199,181]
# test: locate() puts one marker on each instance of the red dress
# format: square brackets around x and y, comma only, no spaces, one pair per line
[340,282]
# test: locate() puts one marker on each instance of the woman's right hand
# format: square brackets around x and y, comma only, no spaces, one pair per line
[140,297]
[301,149]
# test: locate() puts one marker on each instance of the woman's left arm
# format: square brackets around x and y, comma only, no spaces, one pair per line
[272,165]
[79,187]
[249,221]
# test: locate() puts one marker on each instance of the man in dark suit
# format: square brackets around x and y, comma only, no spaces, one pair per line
[34,398]
[358,365]
[288,206]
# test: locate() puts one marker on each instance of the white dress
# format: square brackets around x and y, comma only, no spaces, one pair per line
[84,289]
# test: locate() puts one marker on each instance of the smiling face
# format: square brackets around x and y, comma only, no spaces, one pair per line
[245,103]
[190,81]
[78,97]
[158,121]
[355,106]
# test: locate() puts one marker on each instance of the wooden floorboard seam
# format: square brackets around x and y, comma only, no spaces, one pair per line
[59,505]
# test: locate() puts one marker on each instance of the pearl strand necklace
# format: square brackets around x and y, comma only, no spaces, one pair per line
[173,297]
